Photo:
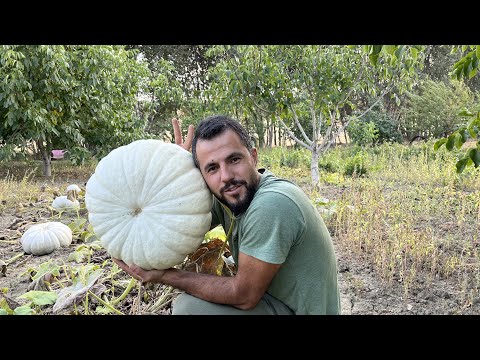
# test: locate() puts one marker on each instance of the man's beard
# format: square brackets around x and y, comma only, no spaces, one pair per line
[241,205]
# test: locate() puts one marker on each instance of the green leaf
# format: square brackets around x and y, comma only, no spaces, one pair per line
[460,138]
[77,225]
[4,307]
[373,59]
[465,112]
[216,233]
[461,164]
[450,142]
[439,143]
[40,297]
[24,310]
[472,132]
[472,73]
[478,52]
[389,49]
[47,268]
[475,156]
[399,51]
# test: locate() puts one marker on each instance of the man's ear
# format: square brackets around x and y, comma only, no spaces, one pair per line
[254,155]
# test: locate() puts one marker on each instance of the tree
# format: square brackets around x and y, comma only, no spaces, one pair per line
[465,68]
[78,98]
[307,89]
[431,111]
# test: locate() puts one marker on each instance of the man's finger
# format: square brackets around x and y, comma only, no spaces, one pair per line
[177,132]
[189,139]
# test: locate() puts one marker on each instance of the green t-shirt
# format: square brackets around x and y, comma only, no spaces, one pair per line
[281,226]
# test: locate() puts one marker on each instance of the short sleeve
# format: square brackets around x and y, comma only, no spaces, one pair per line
[272,225]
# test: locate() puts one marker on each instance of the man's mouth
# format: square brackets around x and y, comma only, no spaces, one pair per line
[232,190]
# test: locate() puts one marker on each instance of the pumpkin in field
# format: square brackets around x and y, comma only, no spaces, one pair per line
[149,204]
[41,239]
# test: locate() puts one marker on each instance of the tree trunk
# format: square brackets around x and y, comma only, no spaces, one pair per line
[314,167]
[47,160]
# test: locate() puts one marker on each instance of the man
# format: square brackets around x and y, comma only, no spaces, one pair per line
[283,252]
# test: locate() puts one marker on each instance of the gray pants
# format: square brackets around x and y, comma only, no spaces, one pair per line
[186,304]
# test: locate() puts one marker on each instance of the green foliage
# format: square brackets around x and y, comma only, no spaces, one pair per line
[468,65]
[328,163]
[283,157]
[362,132]
[69,96]
[386,128]
[433,110]
[356,165]
[304,89]
[458,138]
[294,158]
[163,98]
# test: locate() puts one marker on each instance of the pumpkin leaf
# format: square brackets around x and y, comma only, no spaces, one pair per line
[207,259]
[77,226]
[216,233]
[5,308]
[24,310]
[40,297]
[75,293]
[47,268]
[80,254]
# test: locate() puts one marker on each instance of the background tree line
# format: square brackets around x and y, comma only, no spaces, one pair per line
[90,99]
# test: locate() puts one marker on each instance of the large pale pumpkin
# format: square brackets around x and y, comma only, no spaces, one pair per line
[41,239]
[149,204]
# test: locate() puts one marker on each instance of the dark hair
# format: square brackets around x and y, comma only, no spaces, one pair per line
[215,125]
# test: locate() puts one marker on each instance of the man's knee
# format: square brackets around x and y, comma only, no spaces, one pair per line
[182,305]
[186,304]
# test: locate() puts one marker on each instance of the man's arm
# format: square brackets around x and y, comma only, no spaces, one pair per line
[243,291]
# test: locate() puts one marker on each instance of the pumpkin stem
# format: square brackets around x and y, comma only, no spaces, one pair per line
[227,239]
[106,304]
[125,292]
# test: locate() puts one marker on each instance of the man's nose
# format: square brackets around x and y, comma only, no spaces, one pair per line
[225,174]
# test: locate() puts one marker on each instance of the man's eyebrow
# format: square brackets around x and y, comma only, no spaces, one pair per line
[229,157]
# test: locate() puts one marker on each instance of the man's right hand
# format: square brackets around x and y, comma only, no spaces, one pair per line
[154,276]
[177,131]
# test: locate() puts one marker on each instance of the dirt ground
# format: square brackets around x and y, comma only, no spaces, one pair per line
[362,292]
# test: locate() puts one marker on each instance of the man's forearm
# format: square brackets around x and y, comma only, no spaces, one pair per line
[217,289]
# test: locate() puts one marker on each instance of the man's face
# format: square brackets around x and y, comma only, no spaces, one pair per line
[229,170]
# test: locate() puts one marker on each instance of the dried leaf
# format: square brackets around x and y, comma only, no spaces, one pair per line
[76,293]
[207,258]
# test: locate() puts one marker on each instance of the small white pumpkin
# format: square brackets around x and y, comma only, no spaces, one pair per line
[72,191]
[41,239]
[149,204]
[73,187]
[62,203]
